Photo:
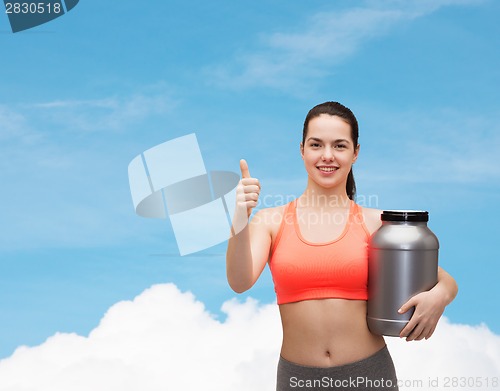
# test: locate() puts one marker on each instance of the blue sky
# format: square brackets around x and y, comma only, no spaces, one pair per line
[81,96]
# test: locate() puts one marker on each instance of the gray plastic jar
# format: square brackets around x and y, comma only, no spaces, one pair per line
[402,261]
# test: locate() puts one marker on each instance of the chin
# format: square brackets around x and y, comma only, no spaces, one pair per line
[327,184]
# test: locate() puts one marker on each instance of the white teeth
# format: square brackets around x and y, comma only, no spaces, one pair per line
[327,169]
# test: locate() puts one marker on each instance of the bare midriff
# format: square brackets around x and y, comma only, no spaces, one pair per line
[327,332]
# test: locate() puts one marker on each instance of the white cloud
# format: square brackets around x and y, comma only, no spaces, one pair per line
[163,340]
[325,39]
[166,340]
[454,351]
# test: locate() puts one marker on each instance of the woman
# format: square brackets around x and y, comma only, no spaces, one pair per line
[316,247]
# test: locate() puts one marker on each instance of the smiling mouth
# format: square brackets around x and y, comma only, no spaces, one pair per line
[327,169]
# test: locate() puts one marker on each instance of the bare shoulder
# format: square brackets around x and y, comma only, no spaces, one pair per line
[372,220]
[270,218]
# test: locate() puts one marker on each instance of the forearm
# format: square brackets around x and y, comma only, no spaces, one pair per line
[239,266]
[239,259]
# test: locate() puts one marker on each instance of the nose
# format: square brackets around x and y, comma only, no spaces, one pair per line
[327,154]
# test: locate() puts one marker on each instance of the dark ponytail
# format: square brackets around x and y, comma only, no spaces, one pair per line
[350,186]
[339,110]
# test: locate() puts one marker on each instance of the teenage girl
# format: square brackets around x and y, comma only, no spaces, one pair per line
[316,248]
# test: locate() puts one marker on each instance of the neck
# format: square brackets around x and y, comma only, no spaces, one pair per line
[316,196]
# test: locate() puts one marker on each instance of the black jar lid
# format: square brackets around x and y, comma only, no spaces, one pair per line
[405,215]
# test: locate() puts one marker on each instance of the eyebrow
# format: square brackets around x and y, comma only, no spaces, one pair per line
[339,140]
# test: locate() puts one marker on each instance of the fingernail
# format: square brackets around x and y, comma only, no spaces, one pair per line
[400,310]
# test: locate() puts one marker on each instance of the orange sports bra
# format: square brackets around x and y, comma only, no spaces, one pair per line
[302,270]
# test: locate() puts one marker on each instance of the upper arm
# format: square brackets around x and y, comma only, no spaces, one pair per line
[260,229]
[449,284]
[372,219]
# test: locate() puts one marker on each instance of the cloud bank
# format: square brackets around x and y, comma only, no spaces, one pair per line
[165,340]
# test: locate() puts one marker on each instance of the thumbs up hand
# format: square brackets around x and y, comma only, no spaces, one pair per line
[247,191]
[247,195]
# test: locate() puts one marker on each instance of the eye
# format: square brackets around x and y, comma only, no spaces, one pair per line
[314,145]
[341,146]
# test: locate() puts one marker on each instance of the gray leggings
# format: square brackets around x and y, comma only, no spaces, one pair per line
[373,373]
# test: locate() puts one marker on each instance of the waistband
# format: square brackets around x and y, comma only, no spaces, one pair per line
[374,360]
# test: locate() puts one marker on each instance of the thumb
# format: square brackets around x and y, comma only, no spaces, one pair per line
[244,169]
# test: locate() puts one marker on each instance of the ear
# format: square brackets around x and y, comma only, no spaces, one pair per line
[302,150]
[356,153]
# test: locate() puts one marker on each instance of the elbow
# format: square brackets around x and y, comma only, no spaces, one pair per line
[239,286]
[449,284]
[455,290]
[238,289]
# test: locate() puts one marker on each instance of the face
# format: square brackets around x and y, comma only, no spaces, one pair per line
[328,151]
